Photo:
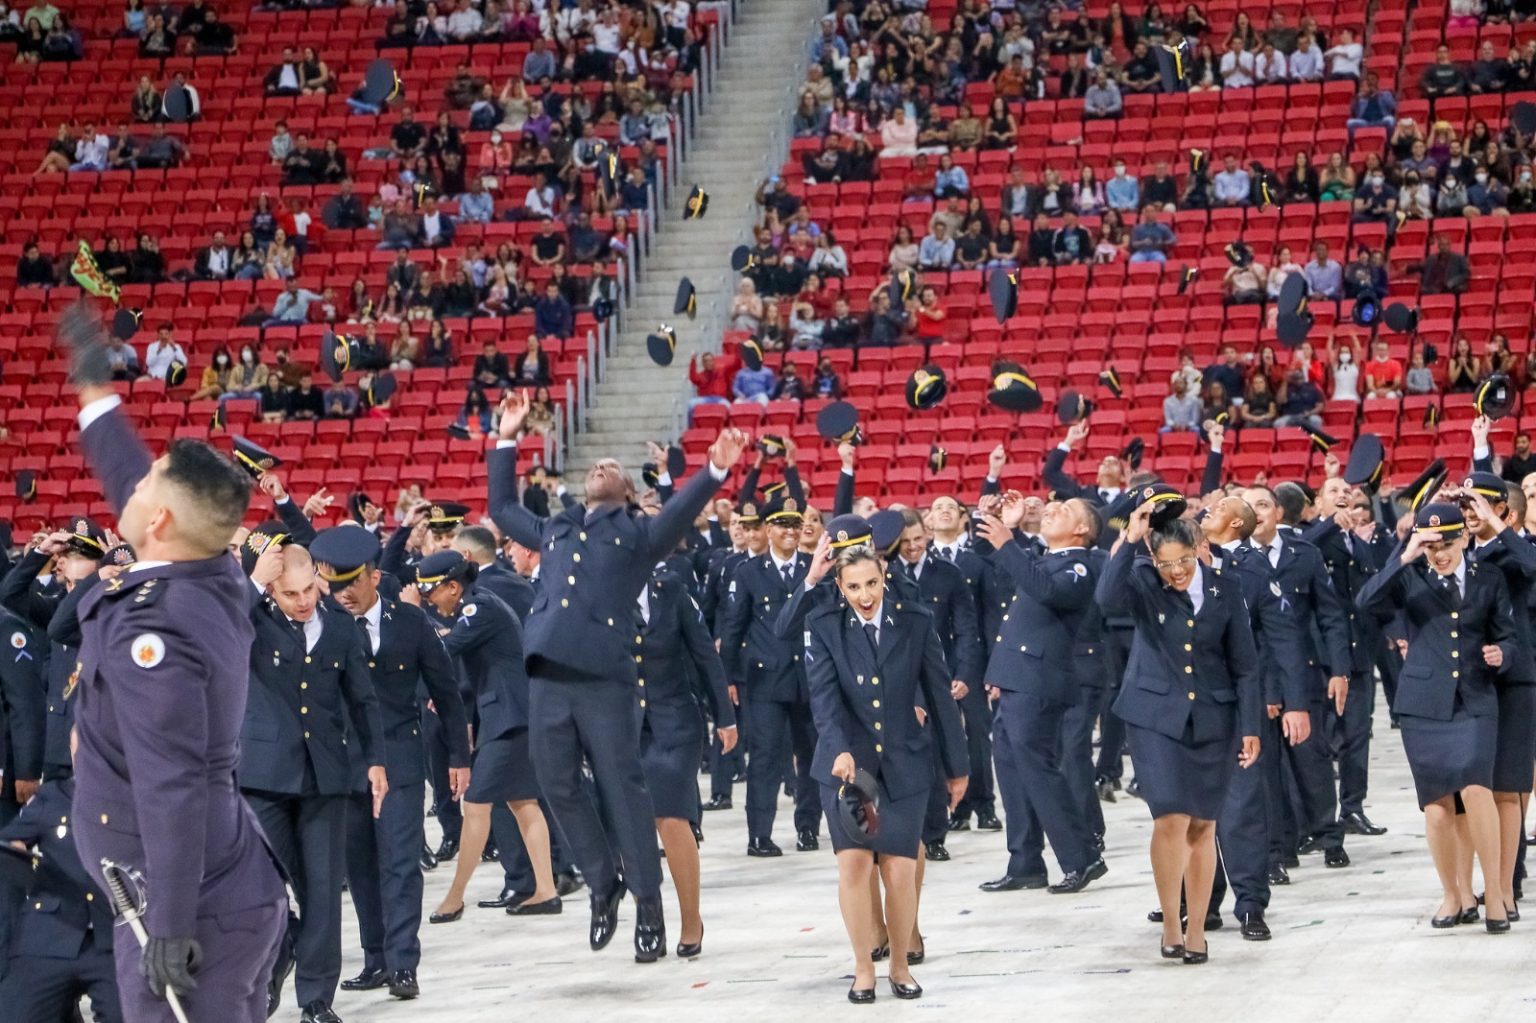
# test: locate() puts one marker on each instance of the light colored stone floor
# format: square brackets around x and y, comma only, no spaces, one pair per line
[1349,944]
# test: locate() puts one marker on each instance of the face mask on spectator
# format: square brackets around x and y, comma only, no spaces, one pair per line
[222,360]
[1119,170]
[1482,178]
[246,355]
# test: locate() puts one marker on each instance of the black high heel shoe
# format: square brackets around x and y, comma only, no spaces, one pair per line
[1172,951]
[861,996]
[906,991]
[446,918]
[1468,916]
[883,952]
[1512,914]
[1196,958]
[1496,926]
[687,950]
[1444,923]
[913,958]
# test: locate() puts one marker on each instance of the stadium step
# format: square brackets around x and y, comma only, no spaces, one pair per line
[741,140]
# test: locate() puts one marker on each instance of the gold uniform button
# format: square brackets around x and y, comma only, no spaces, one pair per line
[638,658]
[1191,696]
[1189,669]
[581,536]
[876,680]
[879,748]
[303,710]
[306,660]
[877,726]
[370,664]
[90,896]
[1453,633]
[1005,617]
[1455,653]
[1455,615]
[564,602]
[1190,622]
[306,735]
[305,685]
[610,621]
[1023,649]
[576,558]
[642,703]
[1455,674]
[105,819]
[642,683]
[875,704]
[1188,646]
[999,639]
[571,579]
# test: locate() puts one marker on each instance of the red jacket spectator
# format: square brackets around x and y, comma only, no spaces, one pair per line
[711,376]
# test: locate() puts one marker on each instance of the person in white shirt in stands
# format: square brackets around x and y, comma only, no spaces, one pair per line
[542,200]
[91,150]
[1307,61]
[1236,66]
[465,23]
[284,80]
[1344,57]
[1269,66]
[1233,187]
[607,37]
[674,16]
[162,352]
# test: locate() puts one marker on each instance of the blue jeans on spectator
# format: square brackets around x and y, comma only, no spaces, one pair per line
[357,106]
[87,165]
[1149,256]
[1359,122]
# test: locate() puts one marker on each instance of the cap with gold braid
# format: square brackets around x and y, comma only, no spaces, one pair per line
[254,458]
[343,553]
[446,516]
[1439,521]
[1490,484]
[1366,462]
[751,352]
[1133,451]
[381,84]
[1072,407]
[269,533]
[903,285]
[785,512]
[926,388]
[661,345]
[26,484]
[1320,440]
[846,531]
[1239,254]
[742,259]
[86,537]
[444,567]
[336,351]
[1197,160]
[1293,320]
[1187,277]
[839,422]
[1003,291]
[1424,486]
[771,495]
[1013,390]
[687,301]
[125,323]
[1495,397]
[1168,503]
[749,513]
[771,445]
[697,204]
[1111,380]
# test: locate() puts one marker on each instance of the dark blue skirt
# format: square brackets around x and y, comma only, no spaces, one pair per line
[1181,775]
[1514,755]
[1447,756]
[901,823]
[672,772]
[502,771]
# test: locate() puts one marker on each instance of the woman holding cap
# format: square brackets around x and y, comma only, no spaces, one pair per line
[1190,700]
[880,699]
[1461,632]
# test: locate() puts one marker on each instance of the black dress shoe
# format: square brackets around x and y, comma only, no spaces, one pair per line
[1077,880]
[1358,823]
[650,931]
[717,803]
[490,853]
[1311,845]
[861,996]
[806,841]
[447,849]
[318,1012]
[986,820]
[1009,883]
[446,918]
[1156,916]
[1098,842]
[1444,923]
[880,954]
[402,985]
[505,899]
[1170,951]
[1468,916]
[1254,927]
[605,916]
[568,883]
[1133,788]
[428,859]
[1496,926]
[1213,920]
[1106,793]
[368,980]
[1278,875]
[690,949]
[907,991]
[549,907]
[959,824]
[1290,861]
[763,847]
[935,851]
[1196,958]
[1336,857]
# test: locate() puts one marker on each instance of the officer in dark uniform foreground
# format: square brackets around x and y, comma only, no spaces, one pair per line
[162,691]
[311,695]
[579,645]
[485,638]
[61,940]
[383,854]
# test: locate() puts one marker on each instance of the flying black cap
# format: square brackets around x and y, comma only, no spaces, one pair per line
[357,503]
[1111,380]
[697,203]
[258,540]
[1366,460]
[1168,503]
[1431,415]
[742,259]
[885,529]
[381,84]
[846,531]
[687,300]
[26,484]
[1367,310]
[903,283]
[1198,159]
[1400,318]
[1425,485]
[677,462]
[1187,277]
[858,805]
[771,445]
[254,458]
[121,556]
[1072,407]
[661,345]
[1003,290]
[336,352]
[178,104]
[343,553]
[751,352]
[446,516]
[457,431]
[175,373]
[1013,390]
[839,422]
[1320,440]
[1495,397]
[381,388]
[1133,451]
[125,323]
[926,388]
[1523,117]
[444,567]
[1239,254]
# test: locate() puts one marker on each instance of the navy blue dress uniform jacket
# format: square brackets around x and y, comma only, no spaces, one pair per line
[1088,650]
[1350,564]
[308,705]
[864,702]
[593,567]
[678,665]
[515,591]
[1034,649]
[411,657]
[1446,637]
[37,603]
[65,900]
[487,640]
[23,687]
[1280,628]
[1186,670]
[766,666]
[720,569]
[944,594]
[1515,557]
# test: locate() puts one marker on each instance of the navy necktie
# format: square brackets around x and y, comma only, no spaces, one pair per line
[871,631]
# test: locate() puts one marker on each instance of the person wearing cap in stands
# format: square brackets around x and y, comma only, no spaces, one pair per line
[1037,687]
[486,640]
[1191,702]
[766,671]
[880,692]
[579,651]
[1461,638]
[1485,507]
[383,854]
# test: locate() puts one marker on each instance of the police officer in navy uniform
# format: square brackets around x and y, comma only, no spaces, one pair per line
[749,538]
[23,688]
[383,862]
[680,670]
[311,700]
[154,781]
[579,645]
[61,939]
[1032,669]
[766,671]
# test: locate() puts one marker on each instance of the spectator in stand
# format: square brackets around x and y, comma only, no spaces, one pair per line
[754,385]
[292,306]
[318,78]
[145,105]
[937,251]
[1237,66]
[1227,372]
[1181,409]
[1306,64]
[1376,201]
[435,227]
[929,316]
[1244,284]
[898,135]
[194,98]
[1336,180]
[91,150]
[405,349]
[157,40]
[1374,107]
[1270,66]
[122,359]
[1087,193]
[1443,78]
[215,261]
[1521,461]
[114,264]
[1258,408]
[285,78]
[1141,72]
[539,65]
[1071,243]
[1489,71]
[408,138]
[1325,278]
[215,376]
[828,259]
[1444,271]
[1151,238]
[1121,191]
[826,383]
[34,270]
[1041,247]
[305,401]
[1344,57]
[1217,403]
[1463,370]
[1075,78]
[711,381]
[553,315]
[587,243]
[1420,379]
[344,211]
[1305,359]
[1002,129]
[281,258]
[885,324]
[841,329]
[145,264]
[491,368]
[1300,183]
[531,368]
[950,180]
[1383,374]
[1487,195]
[60,153]
[274,399]
[1102,98]
[1233,186]
[249,375]
[1344,366]
[790,387]
[163,150]
[340,400]
[1301,402]
[438,353]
